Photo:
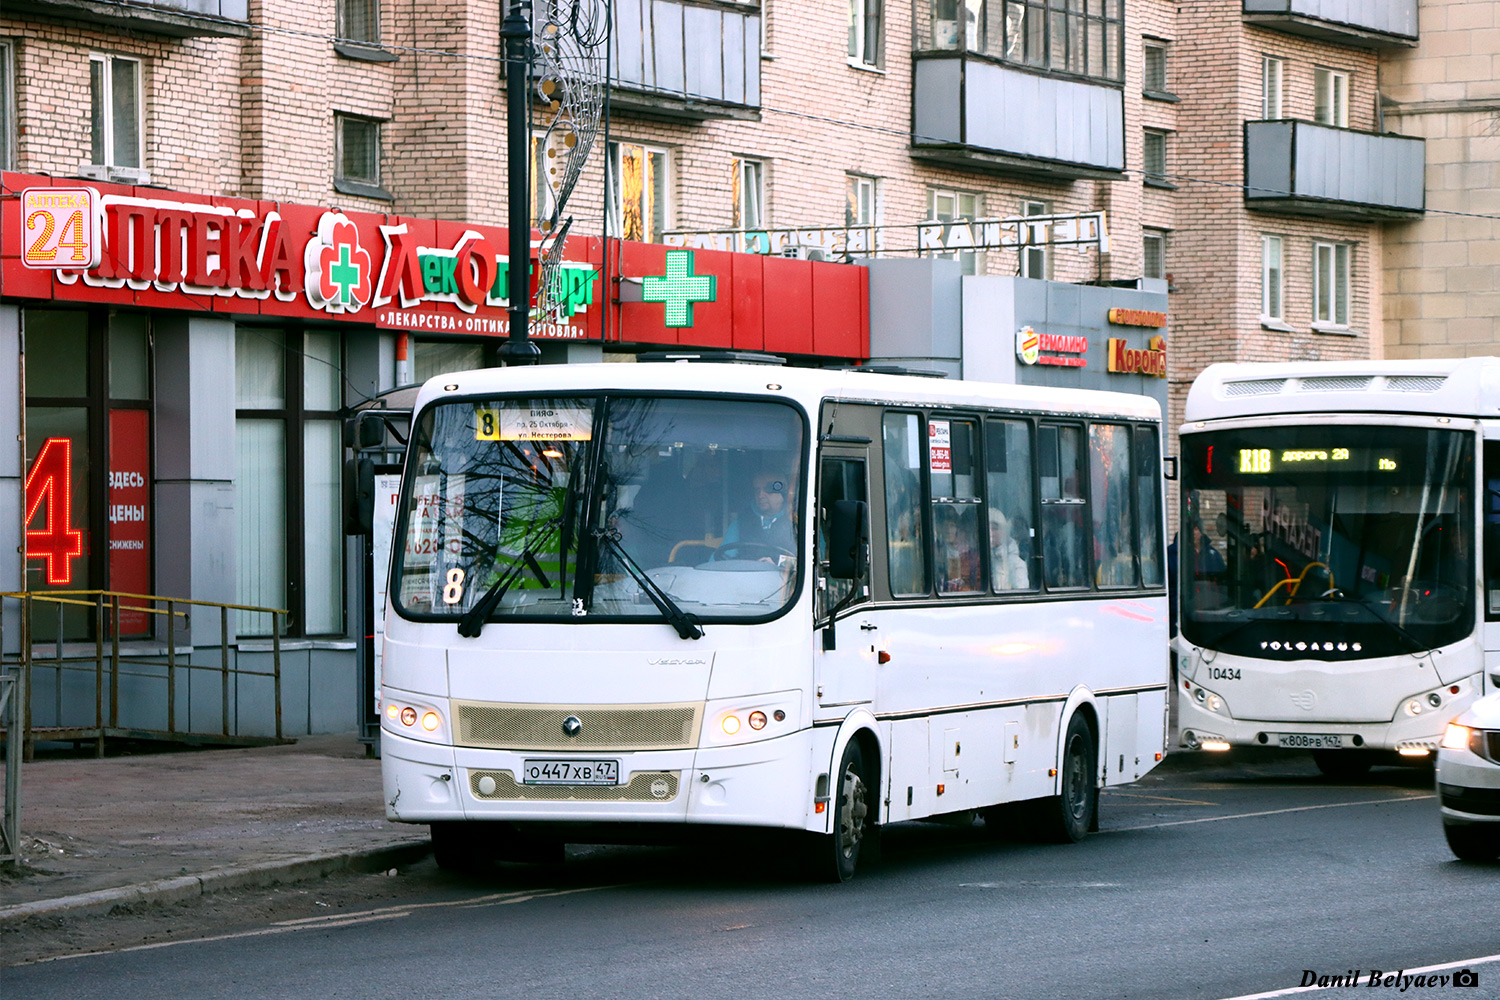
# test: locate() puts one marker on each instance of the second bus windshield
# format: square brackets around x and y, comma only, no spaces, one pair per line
[1361,535]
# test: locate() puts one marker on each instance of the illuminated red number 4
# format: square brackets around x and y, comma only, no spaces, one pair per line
[51,479]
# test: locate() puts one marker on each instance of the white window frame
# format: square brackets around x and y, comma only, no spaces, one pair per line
[861,13]
[1331,97]
[1272,83]
[1272,279]
[1333,273]
[1035,262]
[972,261]
[7,105]
[614,210]
[861,200]
[749,193]
[1149,46]
[1158,236]
[340,119]
[105,95]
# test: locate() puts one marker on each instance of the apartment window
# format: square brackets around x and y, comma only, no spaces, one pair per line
[956,24]
[289,455]
[638,199]
[1331,97]
[357,156]
[1068,36]
[859,200]
[359,21]
[115,103]
[1271,73]
[7,109]
[1154,158]
[748,188]
[1331,283]
[867,32]
[1034,259]
[1270,277]
[1154,70]
[1154,254]
[957,206]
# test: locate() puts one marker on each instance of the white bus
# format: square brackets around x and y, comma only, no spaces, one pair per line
[1328,557]
[633,599]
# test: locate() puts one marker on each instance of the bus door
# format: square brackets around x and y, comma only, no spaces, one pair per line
[844,652]
[1489,506]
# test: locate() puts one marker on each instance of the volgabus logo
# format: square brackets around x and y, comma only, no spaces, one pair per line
[338,269]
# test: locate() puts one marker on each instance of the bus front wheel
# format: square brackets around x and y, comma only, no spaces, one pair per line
[457,847]
[1068,816]
[835,855]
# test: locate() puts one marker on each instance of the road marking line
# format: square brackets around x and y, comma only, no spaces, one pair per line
[1293,990]
[1268,812]
[1160,798]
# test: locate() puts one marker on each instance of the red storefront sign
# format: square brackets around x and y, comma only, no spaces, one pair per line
[170,250]
[130,510]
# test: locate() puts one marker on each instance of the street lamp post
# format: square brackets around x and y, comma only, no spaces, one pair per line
[516,33]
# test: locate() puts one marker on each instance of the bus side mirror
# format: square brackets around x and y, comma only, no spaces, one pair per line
[364,430]
[1169,468]
[359,496]
[848,537]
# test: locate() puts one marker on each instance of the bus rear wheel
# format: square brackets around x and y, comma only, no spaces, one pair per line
[1068,816]
[1342,763]
[834,856]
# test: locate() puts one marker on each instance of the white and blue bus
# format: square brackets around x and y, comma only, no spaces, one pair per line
[1333,581]
[631,599]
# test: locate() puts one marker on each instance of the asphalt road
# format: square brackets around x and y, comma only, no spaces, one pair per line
[1228,880]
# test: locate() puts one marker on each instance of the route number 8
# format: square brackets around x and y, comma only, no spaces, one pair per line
[454,592]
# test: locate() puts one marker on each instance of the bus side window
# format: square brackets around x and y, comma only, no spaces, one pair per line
[1491,508]
[906,537]
[952,458]
[1007,469]
[1110,481]
[838,479]
[1148,504]
[1064,561]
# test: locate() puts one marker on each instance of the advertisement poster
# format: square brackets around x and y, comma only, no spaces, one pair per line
[387,492]
[130,512]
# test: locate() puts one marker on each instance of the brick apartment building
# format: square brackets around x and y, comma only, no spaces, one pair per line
[1236,148]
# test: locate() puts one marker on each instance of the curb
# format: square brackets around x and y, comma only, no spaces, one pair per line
[172,890]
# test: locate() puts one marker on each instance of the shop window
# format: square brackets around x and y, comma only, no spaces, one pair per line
[1007,469]
[1059,457]
[437,357]
[88,487]
[952,459]
[1111,490]
[906,536]
[639,206]
[867,33]
[116,110]
[287,482]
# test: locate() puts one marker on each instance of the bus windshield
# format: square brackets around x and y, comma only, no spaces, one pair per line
[1327,542]
[585,506]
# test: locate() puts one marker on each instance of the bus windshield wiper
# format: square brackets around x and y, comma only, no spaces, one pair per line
[687,626]
[472,622]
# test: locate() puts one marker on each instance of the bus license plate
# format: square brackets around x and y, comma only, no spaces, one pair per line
[570,772]
[1310,741]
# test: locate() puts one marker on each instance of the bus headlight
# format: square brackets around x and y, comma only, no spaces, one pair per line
[414,721]
[730,725]
[746,720]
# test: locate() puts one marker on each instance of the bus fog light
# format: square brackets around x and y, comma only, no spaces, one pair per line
[1199,695]
[430,721]
[1413,751]
[730,725]
[392,712]
[1217,745]
[757,720]
[779,715]
[1455,737]
[1414,707]
[1434,699]
[408,716]
[1215,703]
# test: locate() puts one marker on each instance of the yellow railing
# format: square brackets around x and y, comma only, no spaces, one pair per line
[167,616]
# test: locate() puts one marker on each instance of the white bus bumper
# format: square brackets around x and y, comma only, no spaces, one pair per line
[766,784]
[1197,725]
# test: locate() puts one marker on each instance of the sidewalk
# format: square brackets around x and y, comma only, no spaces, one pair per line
[166,826]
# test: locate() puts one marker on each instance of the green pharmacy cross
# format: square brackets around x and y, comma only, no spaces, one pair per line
[344,274]
[680,288]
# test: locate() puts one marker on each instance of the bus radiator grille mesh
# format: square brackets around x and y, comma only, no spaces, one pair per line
[541,727]
[645,786]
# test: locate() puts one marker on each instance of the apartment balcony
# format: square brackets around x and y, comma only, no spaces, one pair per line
[172,18]
[1370,24]
[975,113]
[687,60]
[1299,168]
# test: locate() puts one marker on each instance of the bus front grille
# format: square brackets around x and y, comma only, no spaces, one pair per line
[598,727]
[645,786]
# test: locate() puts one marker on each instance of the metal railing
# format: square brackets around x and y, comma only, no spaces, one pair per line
[166,619]
[12,697]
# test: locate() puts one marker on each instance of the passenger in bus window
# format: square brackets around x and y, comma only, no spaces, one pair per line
[1208,569]
[958,555]
[1009,570]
